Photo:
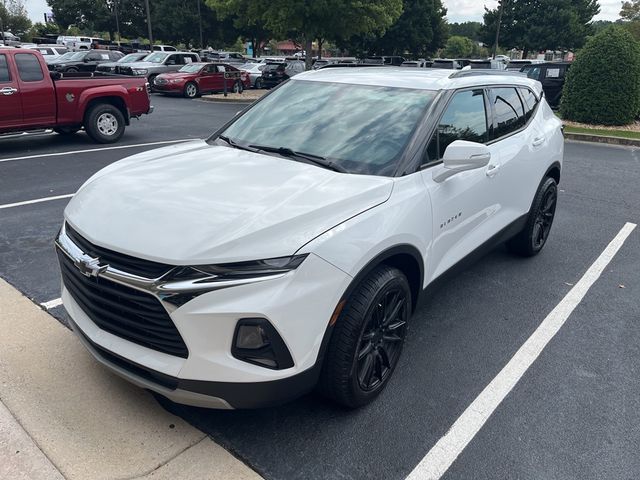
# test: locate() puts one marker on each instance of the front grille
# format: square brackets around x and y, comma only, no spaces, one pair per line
[120,261]
[123,311]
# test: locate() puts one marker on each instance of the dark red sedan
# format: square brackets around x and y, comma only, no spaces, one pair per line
[198,78]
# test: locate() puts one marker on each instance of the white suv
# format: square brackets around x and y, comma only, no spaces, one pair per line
[289,250]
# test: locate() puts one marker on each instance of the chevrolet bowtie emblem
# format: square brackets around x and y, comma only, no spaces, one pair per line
[90,267]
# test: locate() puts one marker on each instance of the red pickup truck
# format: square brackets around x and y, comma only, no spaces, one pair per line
[33,99]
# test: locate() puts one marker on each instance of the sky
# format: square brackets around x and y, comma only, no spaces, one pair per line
[458,10]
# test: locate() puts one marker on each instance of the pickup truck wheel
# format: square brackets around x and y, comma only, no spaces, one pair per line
[190,90]
[66,130]
[104,123]
[536,231]
[367,339]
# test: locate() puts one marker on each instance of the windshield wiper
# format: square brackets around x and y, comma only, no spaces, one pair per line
[315,159]
[235,144]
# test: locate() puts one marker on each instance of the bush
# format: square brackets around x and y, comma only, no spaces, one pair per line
[603,84]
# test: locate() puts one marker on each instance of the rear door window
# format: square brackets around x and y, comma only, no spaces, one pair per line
[507,110]
[5,76]
[464,119]
[29,68]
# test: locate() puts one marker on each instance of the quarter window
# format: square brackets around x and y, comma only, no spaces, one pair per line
[28,67]
[529,101]
[508,111]
[4,70]
[464,119]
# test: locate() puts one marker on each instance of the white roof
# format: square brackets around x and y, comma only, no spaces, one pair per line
[418,78]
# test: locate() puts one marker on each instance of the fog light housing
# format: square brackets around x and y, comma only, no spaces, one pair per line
[256,341]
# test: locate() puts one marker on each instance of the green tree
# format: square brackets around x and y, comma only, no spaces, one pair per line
[630,10]
[540,24]
[609,96]
[421,30]
[246,17]
[466,29]
[14,18]
[460,47]
[329,19]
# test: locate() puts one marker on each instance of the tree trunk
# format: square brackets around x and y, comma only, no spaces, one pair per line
[320,42]
[525,53]
[308,47]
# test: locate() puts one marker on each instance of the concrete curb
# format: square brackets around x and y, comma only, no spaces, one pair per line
[584,137]
[84,420]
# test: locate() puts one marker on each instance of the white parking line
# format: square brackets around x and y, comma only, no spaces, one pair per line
[446,450]
[56,302]
[37,200]
[119,147]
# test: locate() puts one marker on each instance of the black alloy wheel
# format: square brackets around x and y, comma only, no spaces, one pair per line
[367,338]
[382,339]
[544,219]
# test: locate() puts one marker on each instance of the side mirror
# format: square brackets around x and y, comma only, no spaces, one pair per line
[461,156]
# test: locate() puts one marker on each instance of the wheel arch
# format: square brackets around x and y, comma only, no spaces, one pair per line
[554,172]
[116,101]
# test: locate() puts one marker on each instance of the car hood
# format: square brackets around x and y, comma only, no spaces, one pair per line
[142,64]
[194,203]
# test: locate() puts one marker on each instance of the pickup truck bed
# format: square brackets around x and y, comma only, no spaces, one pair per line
[31,98]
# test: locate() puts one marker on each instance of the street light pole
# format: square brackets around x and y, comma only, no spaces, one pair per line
[146,6]
[200,24]
[115,7]
[495,44]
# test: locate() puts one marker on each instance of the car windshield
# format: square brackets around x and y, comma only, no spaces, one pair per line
[132,57]
[359,128]
[77,56]
[66,56]
[191,68]
[157,57]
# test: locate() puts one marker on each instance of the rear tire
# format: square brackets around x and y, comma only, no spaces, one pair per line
[190,90]
[259,83]
[152,81]
[367,339]
[104,123]
[533,237]
[71,70]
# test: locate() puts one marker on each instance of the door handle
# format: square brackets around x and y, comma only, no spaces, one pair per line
[492,170]
[8,90]
[537,141]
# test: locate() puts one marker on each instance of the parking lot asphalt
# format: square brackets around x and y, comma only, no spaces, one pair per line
[574,413]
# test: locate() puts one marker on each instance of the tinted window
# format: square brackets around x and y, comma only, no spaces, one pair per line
[464,119]
[28,67]
[532,72]
[507,108]
[529,100]
[4,70]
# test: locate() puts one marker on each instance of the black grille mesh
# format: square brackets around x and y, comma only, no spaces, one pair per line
[123,311]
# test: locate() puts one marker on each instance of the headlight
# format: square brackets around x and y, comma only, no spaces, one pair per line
[139,71]
[240,270]
[175,80]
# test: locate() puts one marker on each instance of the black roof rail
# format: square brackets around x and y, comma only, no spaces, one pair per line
[477,72]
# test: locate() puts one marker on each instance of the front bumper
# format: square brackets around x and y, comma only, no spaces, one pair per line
[298,305]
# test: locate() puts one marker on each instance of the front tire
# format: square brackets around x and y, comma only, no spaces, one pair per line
[259,83]
[367,339]
[238,87]
[190,90]
[534,235]
[104,123]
